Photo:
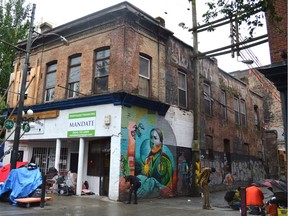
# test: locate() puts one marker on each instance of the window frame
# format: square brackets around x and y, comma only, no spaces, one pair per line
[74,91]
[237,111]
[183,89]
[207,99]
[243,113]
[103,78]
[50,89]
[145,92]
[223,102]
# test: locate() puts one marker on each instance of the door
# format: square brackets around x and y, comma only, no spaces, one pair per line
[227,156]
[105,169]
[74,162]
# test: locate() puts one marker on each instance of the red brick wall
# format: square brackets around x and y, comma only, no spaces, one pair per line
[125,44]
[277,32]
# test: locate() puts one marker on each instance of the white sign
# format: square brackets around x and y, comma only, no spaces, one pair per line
[81,124]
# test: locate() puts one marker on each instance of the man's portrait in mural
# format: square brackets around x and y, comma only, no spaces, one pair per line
[148,151]
[154,165]
[157,164]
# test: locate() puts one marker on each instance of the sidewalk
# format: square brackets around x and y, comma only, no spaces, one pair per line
[102,206]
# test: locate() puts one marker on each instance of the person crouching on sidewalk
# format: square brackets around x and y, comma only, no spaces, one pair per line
[203,182]
[135,184]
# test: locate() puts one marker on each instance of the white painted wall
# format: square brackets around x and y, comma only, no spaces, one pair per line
[56,128]
[181,122]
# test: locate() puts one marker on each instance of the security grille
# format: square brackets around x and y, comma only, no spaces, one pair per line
[45,158]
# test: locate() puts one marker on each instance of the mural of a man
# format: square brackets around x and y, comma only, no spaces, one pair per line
[157,163]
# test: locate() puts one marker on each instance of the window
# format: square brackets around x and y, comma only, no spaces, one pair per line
[207,99]
[144,77]
[182,90]
[256,117]
[50,82]
[102,64]
[236,111]
[74,77]
[243,112]
[223,105]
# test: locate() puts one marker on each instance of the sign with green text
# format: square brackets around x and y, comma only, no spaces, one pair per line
[81,124]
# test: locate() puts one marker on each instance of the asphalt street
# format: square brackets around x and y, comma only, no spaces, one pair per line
[102,206]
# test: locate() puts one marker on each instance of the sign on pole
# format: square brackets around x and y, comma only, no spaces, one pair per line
[26,127]
[8,124]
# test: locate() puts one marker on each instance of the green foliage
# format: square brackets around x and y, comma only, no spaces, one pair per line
[250,12]
[2,107]
[14,26]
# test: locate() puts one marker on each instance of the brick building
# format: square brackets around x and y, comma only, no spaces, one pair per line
[277,71]
[273,119]
[119,100]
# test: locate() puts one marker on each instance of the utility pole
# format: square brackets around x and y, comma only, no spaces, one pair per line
[196,133]
[14,154]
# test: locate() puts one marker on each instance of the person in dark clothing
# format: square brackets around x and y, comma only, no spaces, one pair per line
[135,184]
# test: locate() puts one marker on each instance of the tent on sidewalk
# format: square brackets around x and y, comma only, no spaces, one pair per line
[5,170]
[21,183]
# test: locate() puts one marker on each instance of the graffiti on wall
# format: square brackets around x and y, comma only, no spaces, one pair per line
[148,152]
[183,171]
[179,55]
[242,171]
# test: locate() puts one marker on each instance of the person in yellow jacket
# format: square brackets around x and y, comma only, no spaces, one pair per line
[203,181]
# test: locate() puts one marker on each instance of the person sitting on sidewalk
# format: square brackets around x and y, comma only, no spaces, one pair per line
[203,182]
[233,198]
[254,199]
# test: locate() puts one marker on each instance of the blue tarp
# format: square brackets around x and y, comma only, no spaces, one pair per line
[21,182]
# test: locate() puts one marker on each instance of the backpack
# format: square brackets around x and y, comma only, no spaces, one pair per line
[229,196]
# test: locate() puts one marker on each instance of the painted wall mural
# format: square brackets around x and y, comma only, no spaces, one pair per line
[148,151]
[243,171]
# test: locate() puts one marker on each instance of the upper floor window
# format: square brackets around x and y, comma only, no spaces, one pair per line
[223,105]
[102,67]
[182,89]
[144,76]
[50,82]
[236,110]
[207,99]
[256,117]
[74,77]
[243,112]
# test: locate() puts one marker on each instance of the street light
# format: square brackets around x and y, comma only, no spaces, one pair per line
[246,61]
[14,154]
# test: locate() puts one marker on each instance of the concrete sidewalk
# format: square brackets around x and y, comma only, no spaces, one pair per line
[96,205]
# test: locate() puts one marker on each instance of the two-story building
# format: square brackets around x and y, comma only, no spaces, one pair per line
[119,100]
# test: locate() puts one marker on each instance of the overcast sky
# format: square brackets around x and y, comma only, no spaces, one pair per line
[58,12]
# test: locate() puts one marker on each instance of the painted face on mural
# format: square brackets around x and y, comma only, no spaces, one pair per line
[156,140]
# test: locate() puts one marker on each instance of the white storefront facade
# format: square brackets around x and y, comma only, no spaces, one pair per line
[71,132]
